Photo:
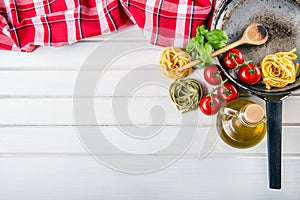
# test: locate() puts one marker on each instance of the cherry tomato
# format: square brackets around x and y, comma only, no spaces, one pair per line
[228,92]
[212,74]
[210,105]
[232,58]
[249,74]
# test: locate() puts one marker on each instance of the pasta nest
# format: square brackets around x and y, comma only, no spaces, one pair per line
[171,59]
[186,94]
[278,70]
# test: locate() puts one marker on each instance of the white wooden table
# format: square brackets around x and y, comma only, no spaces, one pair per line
[43,157]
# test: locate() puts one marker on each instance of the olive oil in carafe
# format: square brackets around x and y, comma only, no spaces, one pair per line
[241,123]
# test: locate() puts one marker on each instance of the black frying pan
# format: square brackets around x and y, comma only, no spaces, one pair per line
[281,18]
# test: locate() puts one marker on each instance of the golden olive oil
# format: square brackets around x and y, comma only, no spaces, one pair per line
[235,130]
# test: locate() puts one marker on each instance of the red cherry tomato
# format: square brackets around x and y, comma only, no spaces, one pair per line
[212,74]
[232,58]
[228,92]
[210,105]
[249,74]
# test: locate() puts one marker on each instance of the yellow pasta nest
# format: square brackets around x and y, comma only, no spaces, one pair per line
[171,59]
[278,70]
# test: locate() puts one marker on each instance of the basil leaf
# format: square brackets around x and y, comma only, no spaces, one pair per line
[200,52]
[192,45]
[201,30]
[217,38]
[218,45]
[199,39]
[208,48]
[204,54]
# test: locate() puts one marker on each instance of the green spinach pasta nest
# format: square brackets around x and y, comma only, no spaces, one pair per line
[186,94]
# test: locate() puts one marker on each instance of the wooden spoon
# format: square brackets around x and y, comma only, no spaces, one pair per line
[254,34]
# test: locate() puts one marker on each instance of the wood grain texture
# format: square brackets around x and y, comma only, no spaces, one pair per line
[84,178]
[42,156]
[73,57]
[62,83]
[65,140]
[59,111]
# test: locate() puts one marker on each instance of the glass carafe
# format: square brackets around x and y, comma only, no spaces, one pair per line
[242,123]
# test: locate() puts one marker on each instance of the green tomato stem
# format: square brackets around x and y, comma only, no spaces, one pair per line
[233,56]
[216,88]
[217,75]
[240,65]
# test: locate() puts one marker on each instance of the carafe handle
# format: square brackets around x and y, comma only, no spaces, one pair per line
[230,112]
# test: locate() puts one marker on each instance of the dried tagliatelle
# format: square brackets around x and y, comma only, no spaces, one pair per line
[186,94]
[171,59]
[278,70]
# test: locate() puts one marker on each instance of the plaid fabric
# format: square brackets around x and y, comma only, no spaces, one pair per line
[169,22]
[26,24]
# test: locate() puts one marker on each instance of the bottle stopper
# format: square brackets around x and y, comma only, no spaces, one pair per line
[254,113]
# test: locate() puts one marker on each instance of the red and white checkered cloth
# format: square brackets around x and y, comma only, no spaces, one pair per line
[26,24]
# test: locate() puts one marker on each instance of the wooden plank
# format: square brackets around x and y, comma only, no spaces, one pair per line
[95,56]
[72,178]
[59,111]
[50,141]
[62,83]
[128,110]
[50,58]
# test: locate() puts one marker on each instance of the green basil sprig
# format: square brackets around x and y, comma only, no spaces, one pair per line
[202,45]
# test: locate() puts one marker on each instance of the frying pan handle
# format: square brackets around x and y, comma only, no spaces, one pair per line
[274,126]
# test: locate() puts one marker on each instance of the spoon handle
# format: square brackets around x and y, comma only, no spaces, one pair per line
[189,65]
[227,48]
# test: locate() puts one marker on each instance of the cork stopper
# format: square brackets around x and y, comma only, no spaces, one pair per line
[254,113]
